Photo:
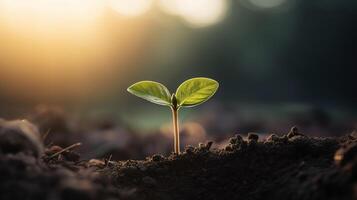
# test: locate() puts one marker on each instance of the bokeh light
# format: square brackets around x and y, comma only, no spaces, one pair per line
[267,3]
[198,13]
[131,8]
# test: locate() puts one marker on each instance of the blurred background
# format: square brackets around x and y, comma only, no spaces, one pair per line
[65,65]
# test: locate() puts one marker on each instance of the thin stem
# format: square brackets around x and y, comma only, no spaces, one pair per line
[176,130]
[66,149]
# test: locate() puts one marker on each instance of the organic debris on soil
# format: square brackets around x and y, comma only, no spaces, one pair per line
[291,166]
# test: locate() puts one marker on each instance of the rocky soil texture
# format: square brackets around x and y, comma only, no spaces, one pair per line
[290,166]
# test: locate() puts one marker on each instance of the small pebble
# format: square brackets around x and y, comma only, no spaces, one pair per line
[157,158]
[294,131]
[253,137]
[96,163]
[273,138]
[53,149]
[20,136]
[189,149]
[228,148]
[236,139]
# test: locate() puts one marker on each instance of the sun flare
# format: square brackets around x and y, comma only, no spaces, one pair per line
[71,45]
[62,47]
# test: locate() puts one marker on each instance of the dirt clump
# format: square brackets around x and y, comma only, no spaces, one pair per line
[291,166]
[20,136]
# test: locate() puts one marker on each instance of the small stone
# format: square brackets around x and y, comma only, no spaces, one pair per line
[253,137]
[157,158]
[56,148]
[189,149]
[228,148]
[201,145]
[20,136]
[236,139]
[273,138]
[96,163]
[232,140]
[237,142]
[53,149]
[294,131]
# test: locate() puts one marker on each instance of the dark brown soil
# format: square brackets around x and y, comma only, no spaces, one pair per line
[289,167]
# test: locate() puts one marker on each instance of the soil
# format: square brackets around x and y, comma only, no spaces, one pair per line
[291,166]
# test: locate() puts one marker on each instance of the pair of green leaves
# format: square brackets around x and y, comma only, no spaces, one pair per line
[190,93]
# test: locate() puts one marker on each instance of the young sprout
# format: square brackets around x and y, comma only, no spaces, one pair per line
[190,93]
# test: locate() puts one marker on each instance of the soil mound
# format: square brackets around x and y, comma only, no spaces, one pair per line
[290,167]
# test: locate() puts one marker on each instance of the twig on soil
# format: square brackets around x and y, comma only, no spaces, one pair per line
[107,161]
[44,137]
[66,149]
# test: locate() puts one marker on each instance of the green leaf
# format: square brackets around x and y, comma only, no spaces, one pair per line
[195,91]
[152,91]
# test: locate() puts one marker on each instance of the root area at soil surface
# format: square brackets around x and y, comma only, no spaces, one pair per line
[289,167]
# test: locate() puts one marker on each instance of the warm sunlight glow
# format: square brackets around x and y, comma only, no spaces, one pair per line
[197,13]
[68,48]
[47,12]
[131,7]
[63,48]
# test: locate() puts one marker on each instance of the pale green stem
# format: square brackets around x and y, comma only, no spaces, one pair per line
[176,130]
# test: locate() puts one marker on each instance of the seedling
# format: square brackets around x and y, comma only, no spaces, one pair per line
[190,93]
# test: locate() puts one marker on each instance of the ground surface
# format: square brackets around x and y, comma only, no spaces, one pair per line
[291,166]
